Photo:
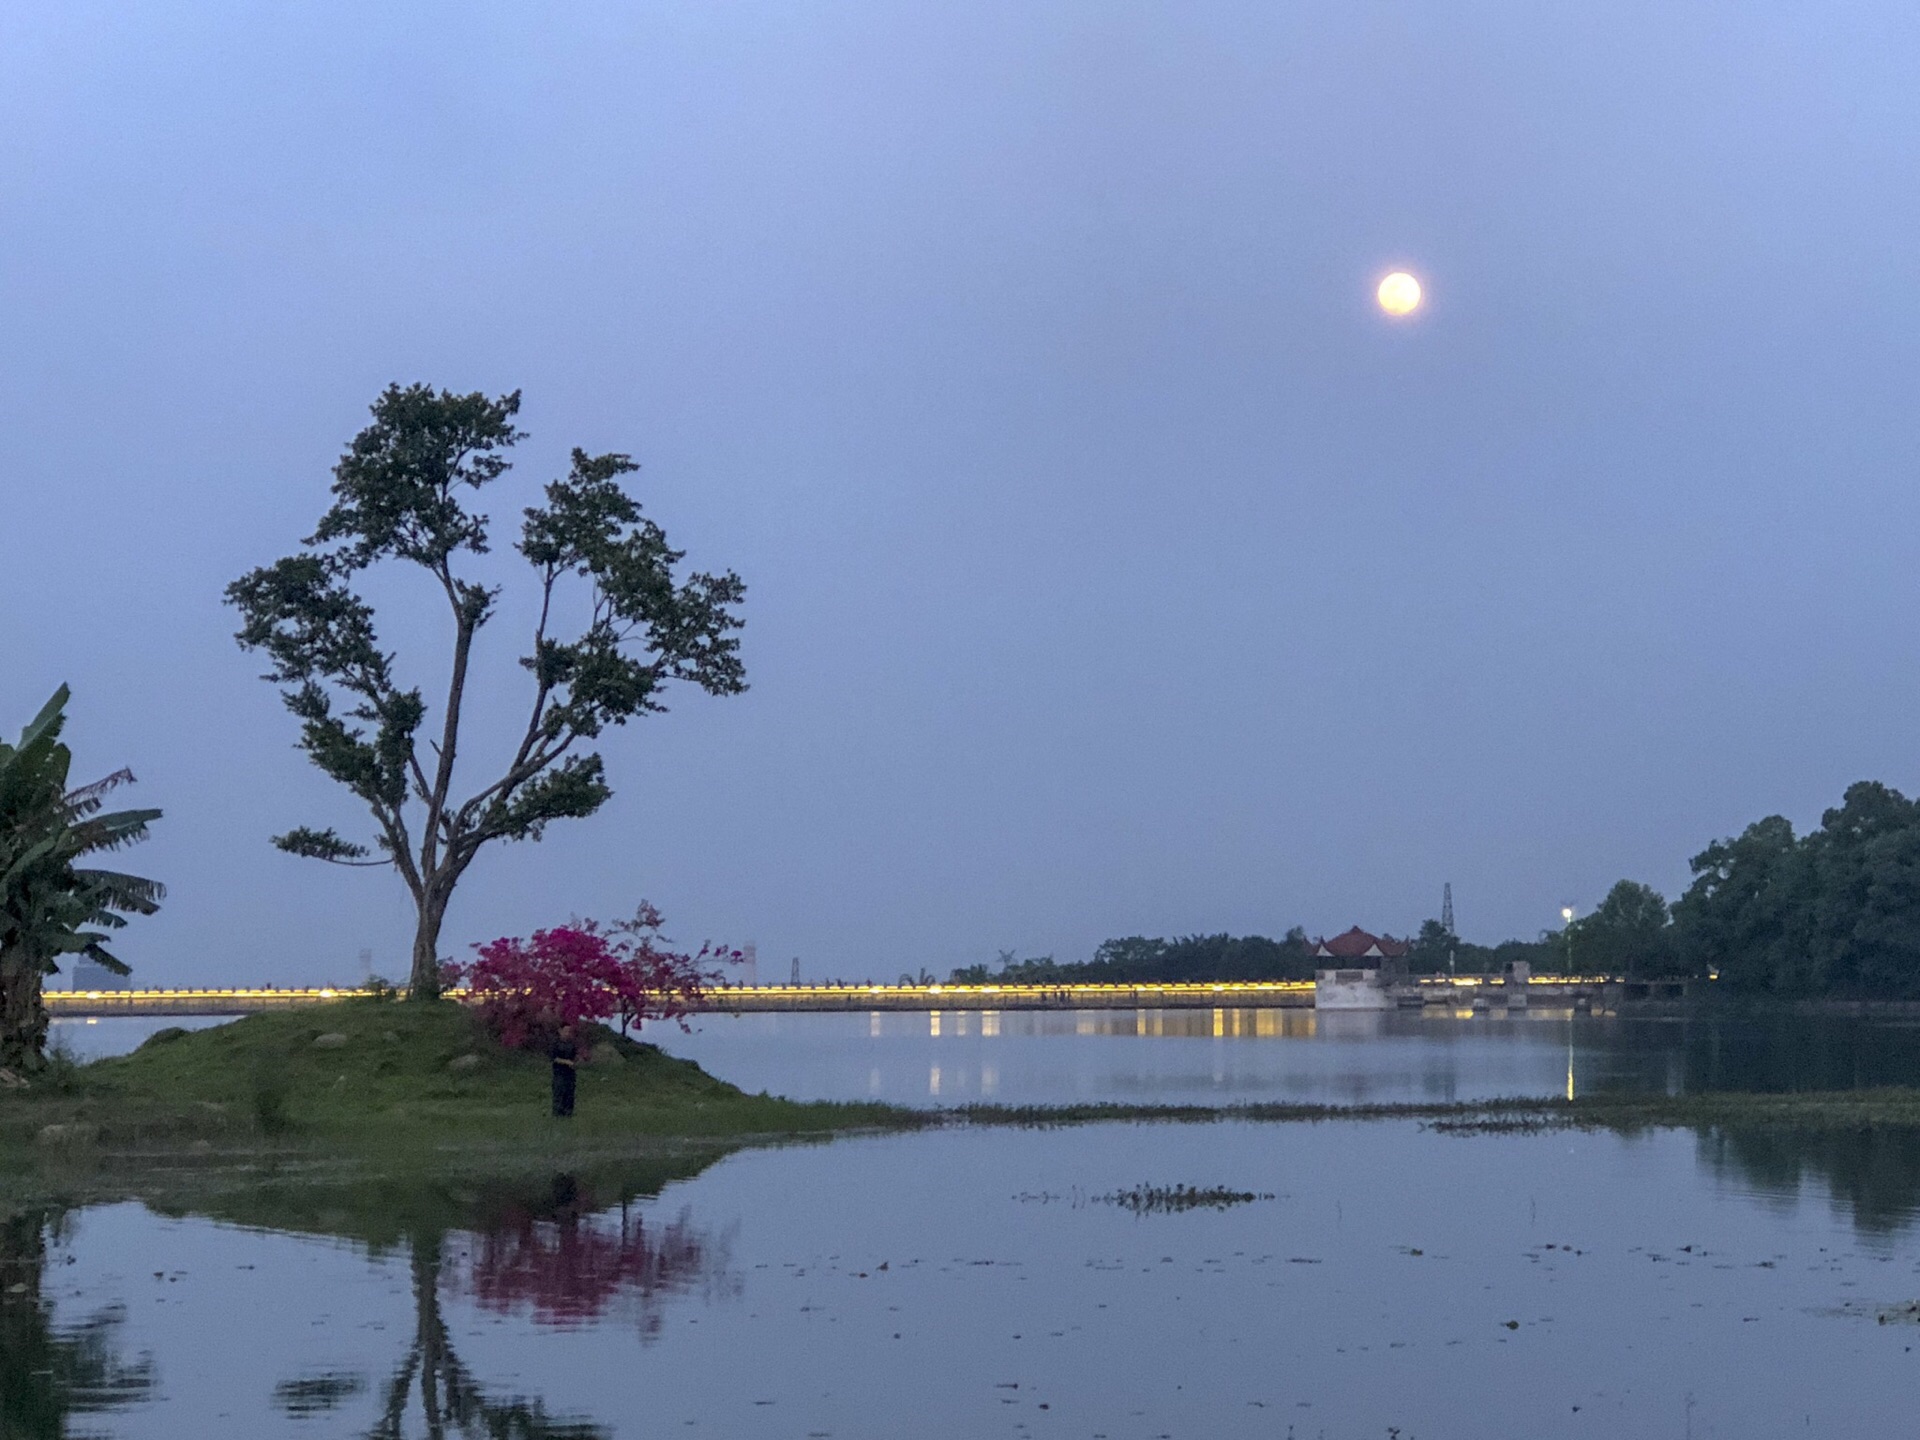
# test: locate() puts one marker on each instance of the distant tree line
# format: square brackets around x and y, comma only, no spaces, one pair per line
[1834,912]
[1137,960]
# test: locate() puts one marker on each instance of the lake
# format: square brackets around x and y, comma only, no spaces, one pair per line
[1384,1279]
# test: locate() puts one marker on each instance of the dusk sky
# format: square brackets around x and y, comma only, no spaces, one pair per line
[1114,565]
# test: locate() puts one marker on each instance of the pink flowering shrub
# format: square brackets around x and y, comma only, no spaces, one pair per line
[527,989]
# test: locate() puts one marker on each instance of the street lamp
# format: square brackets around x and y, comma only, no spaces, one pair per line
[1566,916]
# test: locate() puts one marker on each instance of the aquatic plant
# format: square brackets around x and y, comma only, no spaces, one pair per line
[1172,1199]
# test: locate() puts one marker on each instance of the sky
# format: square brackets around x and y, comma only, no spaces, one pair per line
[1114,566]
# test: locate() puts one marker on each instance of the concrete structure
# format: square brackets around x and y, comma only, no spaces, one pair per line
[87,975]
[1359,971]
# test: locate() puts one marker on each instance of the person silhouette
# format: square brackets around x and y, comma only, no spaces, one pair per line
[565,1054]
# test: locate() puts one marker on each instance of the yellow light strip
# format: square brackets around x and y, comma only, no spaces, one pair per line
[801,992]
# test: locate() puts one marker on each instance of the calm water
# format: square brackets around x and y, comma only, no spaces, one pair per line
[1391,1280]
[1223,1056]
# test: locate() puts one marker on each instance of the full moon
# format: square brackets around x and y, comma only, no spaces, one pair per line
[1399,294]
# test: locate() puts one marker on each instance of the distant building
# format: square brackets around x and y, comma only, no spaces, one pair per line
[87,975]
[1357,971]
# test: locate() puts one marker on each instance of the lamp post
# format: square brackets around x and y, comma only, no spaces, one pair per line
[1566,915]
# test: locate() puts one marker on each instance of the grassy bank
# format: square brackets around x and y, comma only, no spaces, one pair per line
[367,1074]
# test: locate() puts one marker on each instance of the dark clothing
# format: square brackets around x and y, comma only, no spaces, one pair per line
[566,1056]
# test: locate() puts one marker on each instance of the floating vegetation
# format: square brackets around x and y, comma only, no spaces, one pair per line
[1150,1199]
[1171,1199]
[1497,1125]
[1905,1313]
[317,1394]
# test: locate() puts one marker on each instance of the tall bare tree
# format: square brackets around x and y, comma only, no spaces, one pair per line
[399,494]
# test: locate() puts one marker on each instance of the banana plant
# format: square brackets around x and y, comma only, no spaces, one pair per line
[51,905]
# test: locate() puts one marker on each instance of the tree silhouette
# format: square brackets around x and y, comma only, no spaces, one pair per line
[400,495]
[49,1373]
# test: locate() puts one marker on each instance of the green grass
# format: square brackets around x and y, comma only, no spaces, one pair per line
[410,1079]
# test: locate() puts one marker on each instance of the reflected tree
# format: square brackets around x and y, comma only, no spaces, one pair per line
[1871,1173]
[548,1249]
[452,1401]
[50,1374]
[565,1265]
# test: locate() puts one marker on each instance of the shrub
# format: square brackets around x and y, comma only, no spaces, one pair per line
[268,1094]
[527,989]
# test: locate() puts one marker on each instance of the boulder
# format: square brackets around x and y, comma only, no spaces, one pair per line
[462,1063]
[11,1081]
[330,1041]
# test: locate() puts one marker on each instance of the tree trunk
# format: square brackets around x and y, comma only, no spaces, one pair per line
[23,1013]
[424,982]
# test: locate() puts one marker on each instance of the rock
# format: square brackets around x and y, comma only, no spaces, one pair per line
[606,1055]
[331,1041]
[462,1063]
[11,1081]
[201,1147]
[392,1037]
[73,1133]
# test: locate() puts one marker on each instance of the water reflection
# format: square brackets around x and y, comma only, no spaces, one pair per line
[556,1250]
[563,1250]
[1228,1054]
[449,1393]
[564,1264]
[886,1273]
[51,1373]
[1871,1175]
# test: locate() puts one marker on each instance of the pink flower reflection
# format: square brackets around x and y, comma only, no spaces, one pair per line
[570,1269]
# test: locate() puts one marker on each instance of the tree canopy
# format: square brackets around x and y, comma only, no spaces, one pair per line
[1626,934]
[401,494]
[1138,960]
[1833,912]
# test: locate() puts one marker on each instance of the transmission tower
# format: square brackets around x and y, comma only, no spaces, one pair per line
[796,971]
[1446,920]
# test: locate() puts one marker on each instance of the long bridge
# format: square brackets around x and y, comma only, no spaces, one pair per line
[1461,992]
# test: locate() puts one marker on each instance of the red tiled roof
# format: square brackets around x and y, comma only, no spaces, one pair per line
[1357,944]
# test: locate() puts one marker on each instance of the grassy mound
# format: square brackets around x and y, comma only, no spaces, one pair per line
[365,1071]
